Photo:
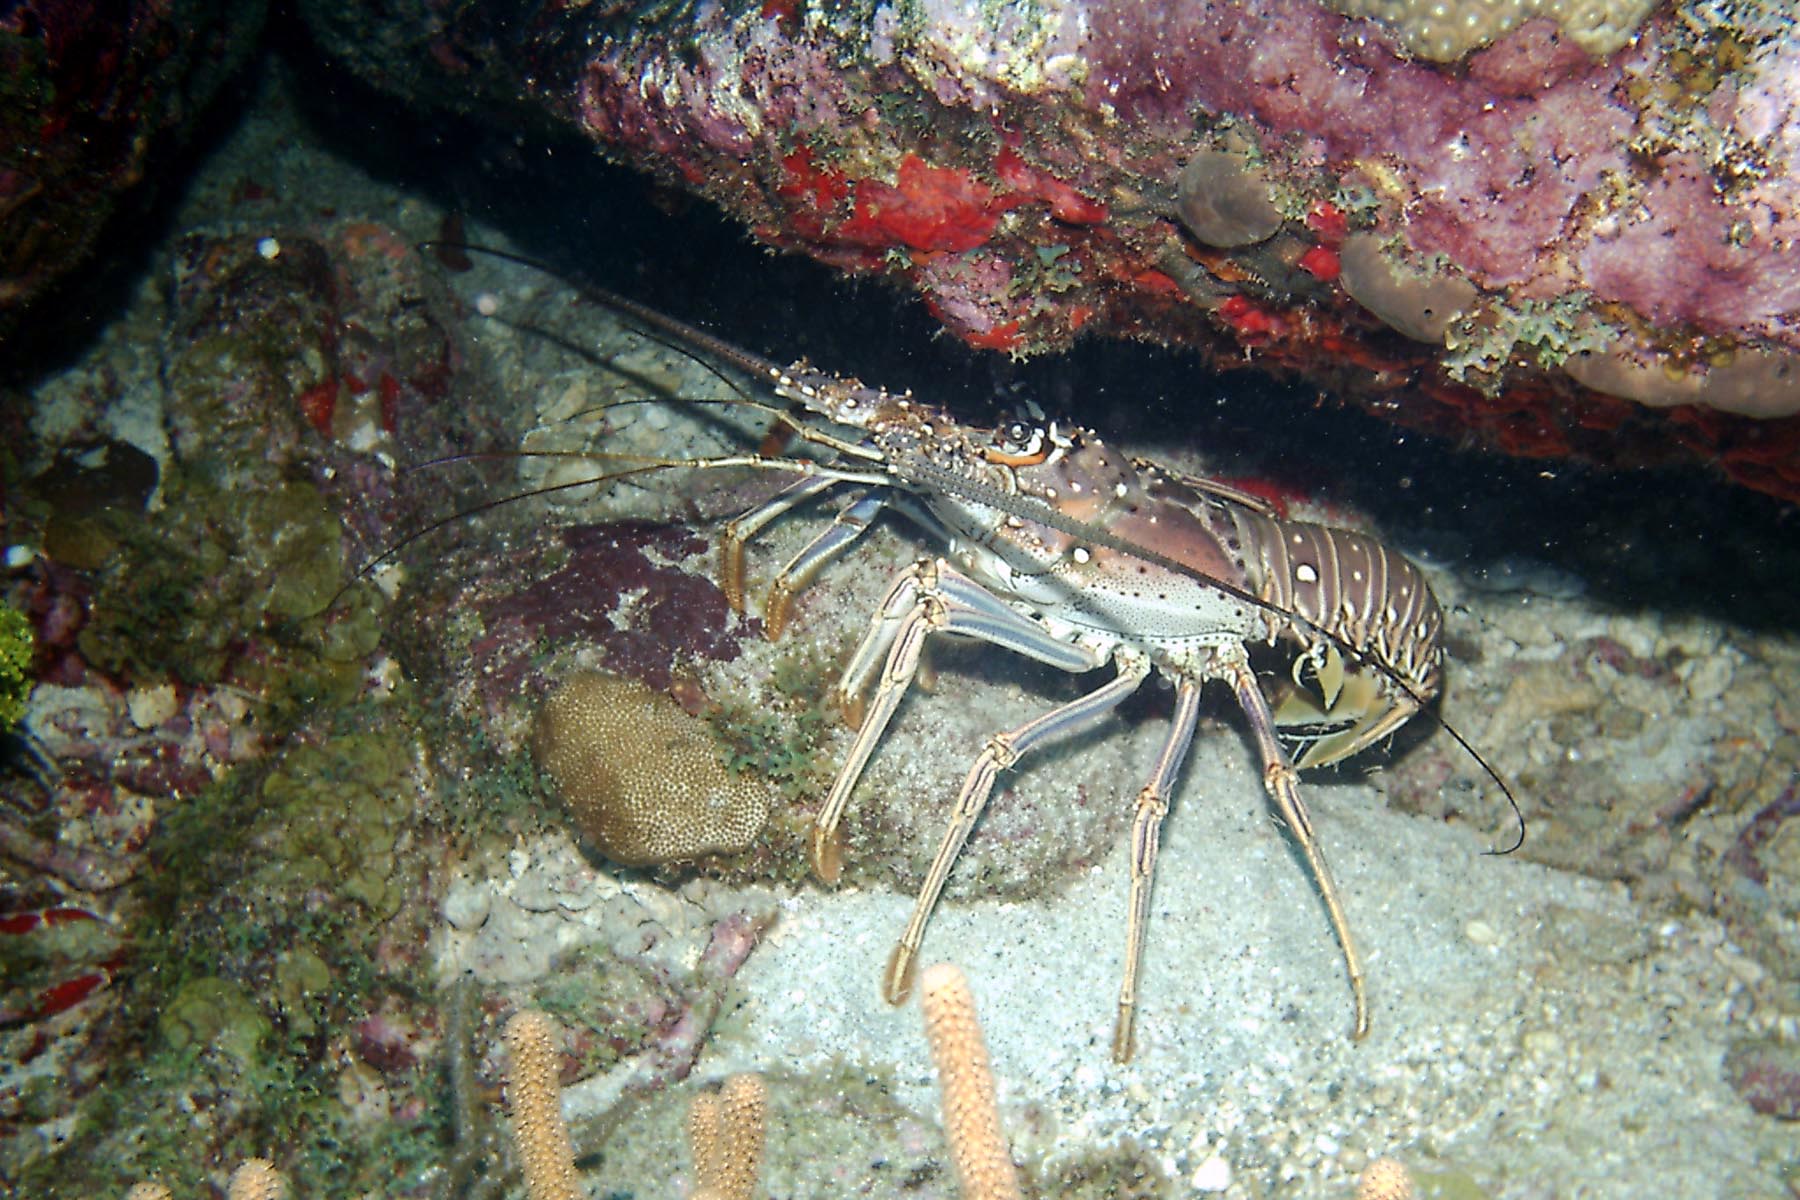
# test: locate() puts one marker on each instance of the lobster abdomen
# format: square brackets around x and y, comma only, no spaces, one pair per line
[1372,599]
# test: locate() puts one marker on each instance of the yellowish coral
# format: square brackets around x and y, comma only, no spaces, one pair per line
[726,1129]
[17,647]
[534,1093]
[642,778]
[1385,1179]
[256,1179]
[1445,30]
[971,1114]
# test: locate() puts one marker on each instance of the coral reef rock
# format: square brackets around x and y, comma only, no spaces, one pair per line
[642,778]
[1603,190]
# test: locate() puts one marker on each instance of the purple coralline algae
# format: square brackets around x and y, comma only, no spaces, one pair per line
[637,593]
[1610,191]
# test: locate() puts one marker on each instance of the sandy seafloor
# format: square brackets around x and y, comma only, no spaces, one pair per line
[1536,1031]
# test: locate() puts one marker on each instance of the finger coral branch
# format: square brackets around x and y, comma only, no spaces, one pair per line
[1385,1179]
[535,1097]
[971,1115]
[256,1179]
[727,1134]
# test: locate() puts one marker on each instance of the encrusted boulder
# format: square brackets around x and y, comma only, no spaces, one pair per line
[1601,190]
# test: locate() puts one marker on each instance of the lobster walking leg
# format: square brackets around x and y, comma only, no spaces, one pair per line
[848,694]
[938,599]
[1146,839]
[1002,753]
[1281,781]
[851,523]
[740,529]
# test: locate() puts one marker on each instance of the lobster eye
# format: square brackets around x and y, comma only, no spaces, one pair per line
[1017,444]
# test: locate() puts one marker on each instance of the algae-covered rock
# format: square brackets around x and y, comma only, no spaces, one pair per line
[300,976]
[251,336]
[296,540]
[339,812]
[215,1013]
[233,585]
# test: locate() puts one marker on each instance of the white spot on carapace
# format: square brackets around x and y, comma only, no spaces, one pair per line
[1121,491]
[1305,572]
[1080,554]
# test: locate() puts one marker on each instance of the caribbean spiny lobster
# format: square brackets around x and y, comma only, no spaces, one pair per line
[1060,548]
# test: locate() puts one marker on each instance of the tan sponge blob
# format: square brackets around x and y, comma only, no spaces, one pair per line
[643,779]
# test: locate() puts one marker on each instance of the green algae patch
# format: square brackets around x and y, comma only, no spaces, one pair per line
[836,1131]
[621,1004]
[17,647]
[234,586]
[1447,1185]
[340,809]
[780,737]
[302,980]
[298,545]
[1126,1170]
[215,1013]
